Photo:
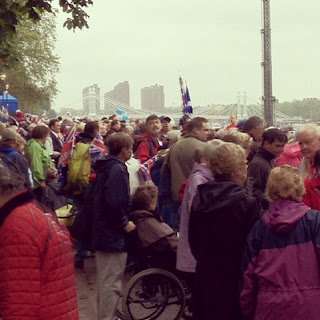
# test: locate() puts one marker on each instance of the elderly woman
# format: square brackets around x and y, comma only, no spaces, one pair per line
[38,157]
[242,139]
[220,220]
[281,264]
[37,278]
[200,174]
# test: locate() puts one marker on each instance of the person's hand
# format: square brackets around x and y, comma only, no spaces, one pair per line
[43,185]
[129,227]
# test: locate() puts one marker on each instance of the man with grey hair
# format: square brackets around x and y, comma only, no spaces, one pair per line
[309,141]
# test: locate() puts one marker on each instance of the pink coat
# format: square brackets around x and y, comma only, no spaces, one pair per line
[281,279]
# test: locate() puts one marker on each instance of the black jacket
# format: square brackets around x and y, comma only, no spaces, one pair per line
[258,172]
[220,220]
[111,205]
[56,143]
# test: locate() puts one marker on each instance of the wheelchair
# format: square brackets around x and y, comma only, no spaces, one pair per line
[156,292]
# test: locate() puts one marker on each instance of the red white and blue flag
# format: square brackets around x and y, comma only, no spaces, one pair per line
[188,109]
[186,100]
[146,167]
[97,147]
[67,148]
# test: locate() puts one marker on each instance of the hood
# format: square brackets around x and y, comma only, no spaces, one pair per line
[55,185]
[202,170]
[85,137]
[6,149]
[218,195]
[141,215]
[283,215]
[106,162]
[292,150]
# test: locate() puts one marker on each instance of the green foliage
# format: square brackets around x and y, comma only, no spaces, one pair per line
[51,113]
[308,108]
[31,75]
[13,12]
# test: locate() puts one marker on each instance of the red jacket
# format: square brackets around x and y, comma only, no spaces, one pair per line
[37,280]
[312,195]
[147,148]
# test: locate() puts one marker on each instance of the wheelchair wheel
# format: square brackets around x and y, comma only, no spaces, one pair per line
[154,294]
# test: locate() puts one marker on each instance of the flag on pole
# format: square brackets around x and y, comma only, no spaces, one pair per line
[187,109]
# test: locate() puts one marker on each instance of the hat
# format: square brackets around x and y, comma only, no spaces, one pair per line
[165,118]
[241,124]
[9,134]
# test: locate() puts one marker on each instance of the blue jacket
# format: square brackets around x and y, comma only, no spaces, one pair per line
[20,161]
[111,205]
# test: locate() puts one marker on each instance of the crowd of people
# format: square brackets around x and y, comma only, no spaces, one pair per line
[234,210]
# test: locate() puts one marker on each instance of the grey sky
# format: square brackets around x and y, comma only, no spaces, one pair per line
[214,44]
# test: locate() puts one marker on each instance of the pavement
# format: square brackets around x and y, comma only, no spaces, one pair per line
[86,286]
[87,289]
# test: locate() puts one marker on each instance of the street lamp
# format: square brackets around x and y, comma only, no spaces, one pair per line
[6,93]
[3,77]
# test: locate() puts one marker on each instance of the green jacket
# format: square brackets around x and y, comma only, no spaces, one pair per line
[39,161]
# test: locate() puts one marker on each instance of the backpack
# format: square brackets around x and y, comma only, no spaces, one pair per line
[150,147]
[82,226]
[79,169]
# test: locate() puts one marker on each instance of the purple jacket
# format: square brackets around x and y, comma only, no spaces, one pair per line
[281,277]
[200,174]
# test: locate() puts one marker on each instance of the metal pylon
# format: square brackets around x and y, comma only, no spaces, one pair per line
[268,99]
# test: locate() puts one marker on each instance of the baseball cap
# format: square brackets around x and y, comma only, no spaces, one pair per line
[165,118]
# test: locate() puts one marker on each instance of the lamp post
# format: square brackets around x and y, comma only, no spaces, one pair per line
[3,77]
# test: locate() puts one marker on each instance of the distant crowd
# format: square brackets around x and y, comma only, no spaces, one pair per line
[235,210]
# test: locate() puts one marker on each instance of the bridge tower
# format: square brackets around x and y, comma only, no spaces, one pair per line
[268,99]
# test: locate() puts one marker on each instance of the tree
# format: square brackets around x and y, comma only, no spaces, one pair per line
[308,108]
[51,113]
[12,12]
[31,76]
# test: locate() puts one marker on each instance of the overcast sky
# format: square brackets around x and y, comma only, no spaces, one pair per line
[214,44]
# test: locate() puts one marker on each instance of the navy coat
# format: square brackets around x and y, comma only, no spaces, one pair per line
[111,205]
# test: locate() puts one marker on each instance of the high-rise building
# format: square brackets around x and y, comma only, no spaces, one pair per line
[152,98]
[91,100]
[120,94]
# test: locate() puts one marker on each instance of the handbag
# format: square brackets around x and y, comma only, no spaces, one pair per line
[66,215]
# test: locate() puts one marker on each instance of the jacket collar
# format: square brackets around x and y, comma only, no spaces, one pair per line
[19,200]
[6,149]
[266,154]
[191,135]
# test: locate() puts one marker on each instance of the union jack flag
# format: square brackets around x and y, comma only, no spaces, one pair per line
[146,167]
[67,148]
[97,147]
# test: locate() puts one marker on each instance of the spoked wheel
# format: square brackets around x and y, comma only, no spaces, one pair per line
[154,294]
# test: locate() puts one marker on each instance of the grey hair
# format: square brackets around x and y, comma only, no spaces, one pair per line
[11,180]
[309,127]
[208,149]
